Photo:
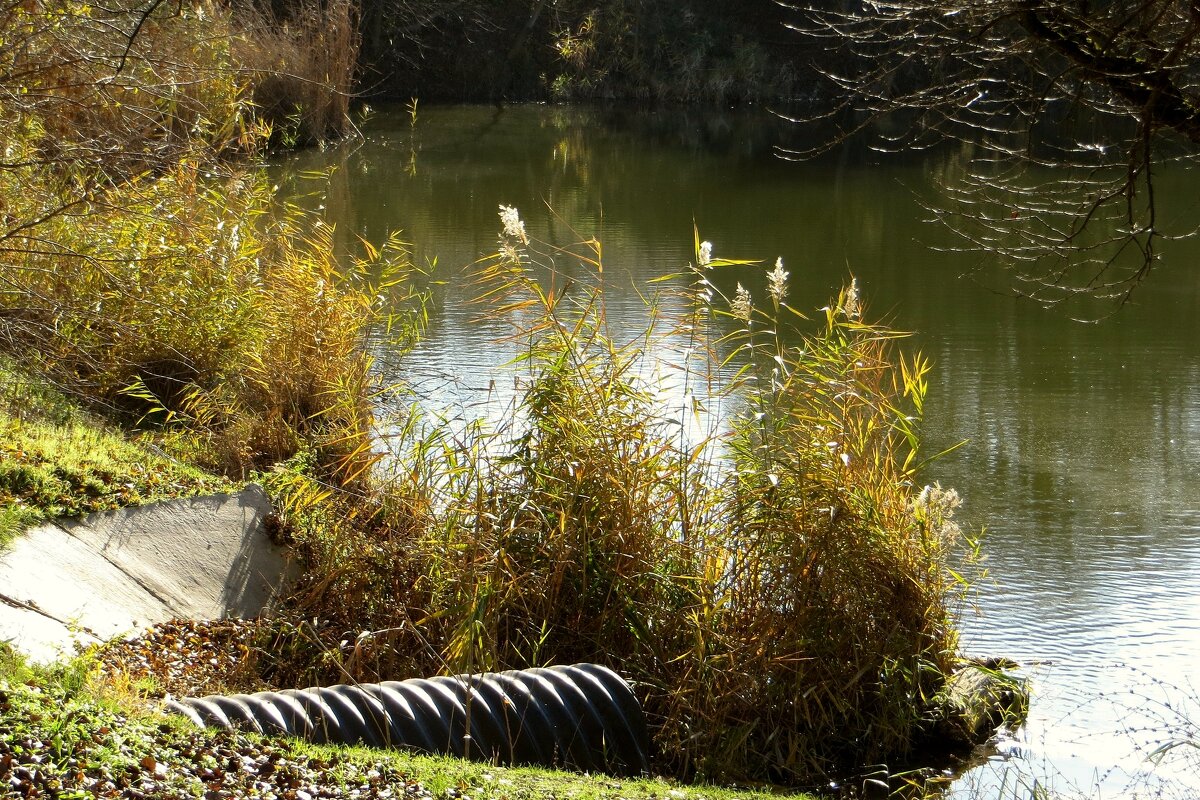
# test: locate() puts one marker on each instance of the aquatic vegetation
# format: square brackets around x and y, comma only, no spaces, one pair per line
[776,584]
[771,580]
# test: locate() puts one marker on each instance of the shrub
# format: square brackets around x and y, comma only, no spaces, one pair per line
[693,52]
[195,298]
[116,91]
[143,272]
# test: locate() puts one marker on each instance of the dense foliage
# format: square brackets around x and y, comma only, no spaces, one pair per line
[141,271]
[691,51]
[778,590]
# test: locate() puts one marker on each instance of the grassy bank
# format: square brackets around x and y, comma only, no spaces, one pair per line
[66,731]
[57,460]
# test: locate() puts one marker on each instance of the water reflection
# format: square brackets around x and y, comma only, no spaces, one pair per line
[1084,440]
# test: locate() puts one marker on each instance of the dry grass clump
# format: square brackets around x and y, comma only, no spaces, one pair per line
[134,86]
[118,90]
[777,589]
[193,300]
[302,64]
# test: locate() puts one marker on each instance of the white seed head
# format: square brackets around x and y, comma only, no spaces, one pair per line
[514,228]
[705,254]
[853,305]
[741,305]
[935,507]
[777,281]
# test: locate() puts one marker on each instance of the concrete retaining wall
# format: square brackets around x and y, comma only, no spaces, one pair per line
[82,581]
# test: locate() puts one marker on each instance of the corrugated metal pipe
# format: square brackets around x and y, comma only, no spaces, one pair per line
[580,717]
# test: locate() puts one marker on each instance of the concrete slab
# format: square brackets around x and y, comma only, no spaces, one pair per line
[55,573]
[121,571]
[39,637]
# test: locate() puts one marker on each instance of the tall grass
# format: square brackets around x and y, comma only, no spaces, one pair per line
[145,272]
[778,588]
[196,301]
[830,631]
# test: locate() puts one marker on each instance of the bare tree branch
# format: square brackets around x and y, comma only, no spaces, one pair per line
[1068,108]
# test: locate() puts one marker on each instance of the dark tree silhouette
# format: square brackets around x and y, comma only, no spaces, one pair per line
[1066,108]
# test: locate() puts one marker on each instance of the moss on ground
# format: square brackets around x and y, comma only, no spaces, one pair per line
[57,460]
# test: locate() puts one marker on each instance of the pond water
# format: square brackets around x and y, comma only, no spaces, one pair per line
[1082,458]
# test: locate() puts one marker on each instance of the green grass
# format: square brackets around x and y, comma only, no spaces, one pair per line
[487,782]
[448,777]
[56,460]
[81,734]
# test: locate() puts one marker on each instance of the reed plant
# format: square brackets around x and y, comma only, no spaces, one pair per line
[301,63]
[145,271]
[576,494]
[827,633]
[196,301]
[775,583]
